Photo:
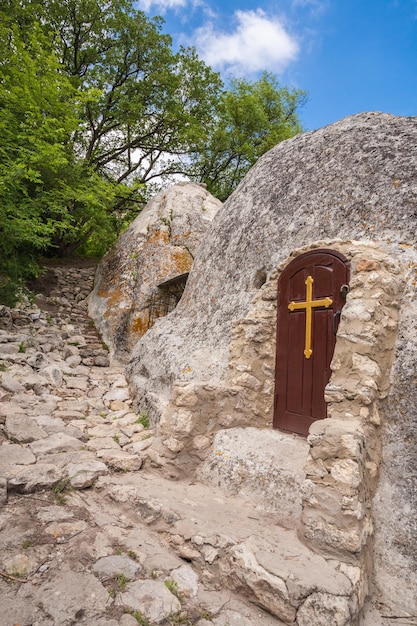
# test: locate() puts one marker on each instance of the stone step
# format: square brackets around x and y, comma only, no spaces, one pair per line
[264,466]
[229,539]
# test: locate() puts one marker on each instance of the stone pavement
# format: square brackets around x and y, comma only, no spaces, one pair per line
[88,536]
[72,549]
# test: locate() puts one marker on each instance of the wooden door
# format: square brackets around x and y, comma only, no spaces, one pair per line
[311,293]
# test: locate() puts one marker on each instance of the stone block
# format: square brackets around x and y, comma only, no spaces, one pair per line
[263,465]
[186,580]
[152,598]
[269,590]
[114,565]
[336,438]
[57,442]
[84,474]
[10,383]
[23,429]
[323,609]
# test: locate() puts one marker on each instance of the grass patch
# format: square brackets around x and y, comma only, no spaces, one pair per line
[132,555]
[61,491]
[118,584]
[141,619]
[172,586]
[143,418]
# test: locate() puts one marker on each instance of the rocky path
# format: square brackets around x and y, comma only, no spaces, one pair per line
[84,535]
[88,536]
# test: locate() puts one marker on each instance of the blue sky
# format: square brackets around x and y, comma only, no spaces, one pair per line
[349,55]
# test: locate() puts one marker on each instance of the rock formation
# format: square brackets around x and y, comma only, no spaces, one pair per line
[158,246]
[350,187]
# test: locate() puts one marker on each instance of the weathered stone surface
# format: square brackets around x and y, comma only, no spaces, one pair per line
[14,454]
[10,383]
[119,393]
[269,590]
[3,491]
[207,527]
[23,429]
[152,598]
[77,382]
[72,595]
[159,245]
[280,583]
[186,580]
[34,477]
[111,566]
[54,513]
[322,609]
[58,442]
[351,187]
[83,474]
[37,361]
[102,443]
[265,466]
[300,193]
[53,375]
[120,461]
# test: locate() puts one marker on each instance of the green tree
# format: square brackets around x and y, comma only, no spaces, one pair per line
[147,104]
[97,112]
[94,106]
[252,118]
[36,116]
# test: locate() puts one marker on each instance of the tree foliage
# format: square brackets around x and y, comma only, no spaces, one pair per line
[97,111]
[251,119]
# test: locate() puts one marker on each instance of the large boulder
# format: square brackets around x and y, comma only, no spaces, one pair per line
[351,186]
[158,246]
[355,179]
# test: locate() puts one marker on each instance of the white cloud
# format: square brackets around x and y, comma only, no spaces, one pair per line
[258,43]
[162,5]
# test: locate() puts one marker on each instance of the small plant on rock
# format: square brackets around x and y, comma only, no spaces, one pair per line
[141,619]
[118,584]
[22,347]
[61,490]
[132,555]
[143,418]
[172,586]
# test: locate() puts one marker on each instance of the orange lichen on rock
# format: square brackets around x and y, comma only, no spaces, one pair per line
[113,297]
[182,260]
[140,324]
[157,236]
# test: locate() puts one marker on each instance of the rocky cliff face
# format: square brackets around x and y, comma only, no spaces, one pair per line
[353,180]
[159,245]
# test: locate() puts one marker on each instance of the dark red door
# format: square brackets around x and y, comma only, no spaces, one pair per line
[311,294]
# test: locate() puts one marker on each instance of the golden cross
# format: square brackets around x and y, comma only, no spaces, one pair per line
[308,305]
